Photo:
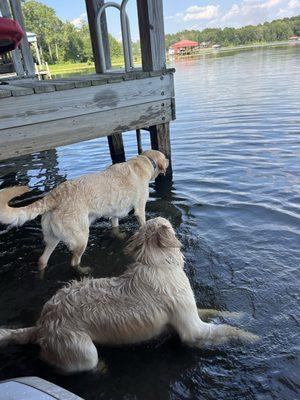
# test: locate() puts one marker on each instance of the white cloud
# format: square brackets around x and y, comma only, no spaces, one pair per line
[177,16]
[252,12]
[234,11]
[292,8]
[240,13]
[203,13]
[77,22]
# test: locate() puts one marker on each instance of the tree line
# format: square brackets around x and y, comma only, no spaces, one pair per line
[277,30]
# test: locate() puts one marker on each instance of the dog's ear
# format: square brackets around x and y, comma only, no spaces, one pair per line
[164,237]
[135,244]
[163,165]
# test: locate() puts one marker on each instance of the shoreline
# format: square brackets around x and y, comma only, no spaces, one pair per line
[205,51]
[68,68]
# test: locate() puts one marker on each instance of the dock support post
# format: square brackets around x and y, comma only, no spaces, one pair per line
[139,141]
[160,140]
[92,7]
[116,148]
[151,28]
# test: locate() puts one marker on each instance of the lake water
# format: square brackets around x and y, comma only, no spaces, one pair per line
[235,204]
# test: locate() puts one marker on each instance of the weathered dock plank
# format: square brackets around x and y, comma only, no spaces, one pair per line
[29,110]
[4,92]
[51,134]
[37,86]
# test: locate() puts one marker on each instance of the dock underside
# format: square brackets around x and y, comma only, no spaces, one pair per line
[40,115]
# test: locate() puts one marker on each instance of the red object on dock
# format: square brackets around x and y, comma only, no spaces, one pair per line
[11,34]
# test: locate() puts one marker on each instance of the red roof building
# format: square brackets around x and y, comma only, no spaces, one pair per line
[183,46]
[295,37]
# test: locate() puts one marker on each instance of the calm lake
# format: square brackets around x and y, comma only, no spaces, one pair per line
[235,204]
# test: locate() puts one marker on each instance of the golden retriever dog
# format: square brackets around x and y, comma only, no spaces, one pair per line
[152,296]
[68,210]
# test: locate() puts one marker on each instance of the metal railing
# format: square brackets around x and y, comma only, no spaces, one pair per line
[126,35]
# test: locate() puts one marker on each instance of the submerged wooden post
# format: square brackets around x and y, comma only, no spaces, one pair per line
[160,140]
[92,7]
[116,148]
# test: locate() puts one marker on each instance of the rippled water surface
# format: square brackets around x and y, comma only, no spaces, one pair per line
[235,203]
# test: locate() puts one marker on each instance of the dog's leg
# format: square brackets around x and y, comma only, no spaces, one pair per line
[194,332]
[116,230]
[114,222]
[209,313]
[50,240]
[51,243]
[77,253]
[140,215]
[70,352]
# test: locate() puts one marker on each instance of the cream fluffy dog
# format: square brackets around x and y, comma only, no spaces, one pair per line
[152,296]
[68,210]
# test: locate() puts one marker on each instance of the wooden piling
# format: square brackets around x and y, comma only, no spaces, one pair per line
[92,7]
[116,148]
[160,140]
[139,141]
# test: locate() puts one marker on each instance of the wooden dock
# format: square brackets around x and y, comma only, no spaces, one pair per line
[40,115]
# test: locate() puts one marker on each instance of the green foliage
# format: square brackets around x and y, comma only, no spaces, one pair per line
[115,47]
[277,30]
[61,41]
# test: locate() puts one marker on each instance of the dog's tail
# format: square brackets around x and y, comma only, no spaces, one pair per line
[18,216]
[17,336]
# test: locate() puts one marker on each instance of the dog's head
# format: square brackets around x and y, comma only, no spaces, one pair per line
[161,161]
[153,241]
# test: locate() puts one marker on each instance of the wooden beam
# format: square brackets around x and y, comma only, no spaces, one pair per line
[116,148]
[36,108]
[92,6]
[160,140]
[152,36]
[26,52]
[16,54]
[27,139]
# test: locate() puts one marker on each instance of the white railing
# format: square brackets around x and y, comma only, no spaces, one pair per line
[126,35]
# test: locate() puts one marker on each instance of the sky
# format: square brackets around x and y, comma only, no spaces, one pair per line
[188,14]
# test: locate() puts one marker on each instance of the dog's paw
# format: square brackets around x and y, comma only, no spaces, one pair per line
[83,270]
[117,234]
[102,367]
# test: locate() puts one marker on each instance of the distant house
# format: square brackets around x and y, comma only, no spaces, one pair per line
[184,46]
[204,44]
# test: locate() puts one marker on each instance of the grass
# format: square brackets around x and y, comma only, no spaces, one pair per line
[77,67]
[68,67]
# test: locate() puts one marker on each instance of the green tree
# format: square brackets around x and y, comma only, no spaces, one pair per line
[115,47]
[43,21]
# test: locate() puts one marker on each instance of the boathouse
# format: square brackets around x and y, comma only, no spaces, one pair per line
[183,47]
[39,115]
